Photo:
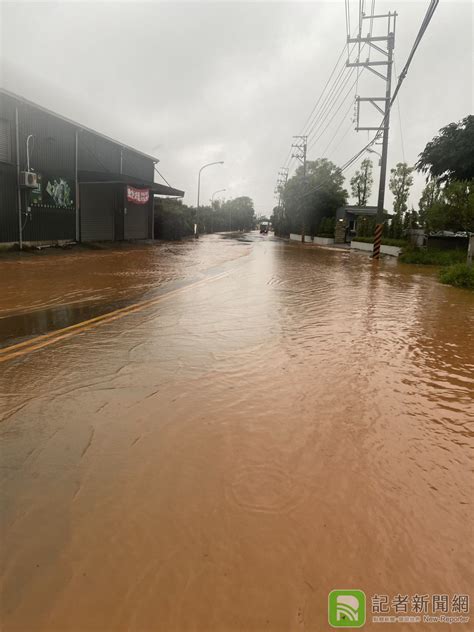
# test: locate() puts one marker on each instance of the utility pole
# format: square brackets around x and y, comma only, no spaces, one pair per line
[281,183]
[387,61]
[300,148]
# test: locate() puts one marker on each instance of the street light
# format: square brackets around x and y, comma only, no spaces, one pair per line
[218,191]
[209,164]
[212,207]
[372,151]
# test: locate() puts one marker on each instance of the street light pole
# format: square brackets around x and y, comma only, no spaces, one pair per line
[218,191]
[212,207]
[372,151]
[209,164]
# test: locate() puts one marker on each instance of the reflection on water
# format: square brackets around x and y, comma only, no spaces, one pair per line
[223,460]
[44,291]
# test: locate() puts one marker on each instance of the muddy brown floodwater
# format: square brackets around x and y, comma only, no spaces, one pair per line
[268,423]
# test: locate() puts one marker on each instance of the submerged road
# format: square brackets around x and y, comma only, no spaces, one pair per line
[212,436]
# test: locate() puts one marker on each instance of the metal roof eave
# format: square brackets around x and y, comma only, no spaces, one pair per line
[79,126]
[95,177]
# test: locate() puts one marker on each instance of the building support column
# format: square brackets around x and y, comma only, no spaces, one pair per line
[18,188]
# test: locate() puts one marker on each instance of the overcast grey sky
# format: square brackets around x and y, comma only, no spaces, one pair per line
[196,82]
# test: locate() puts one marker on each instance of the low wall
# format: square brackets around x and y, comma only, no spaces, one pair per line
[323,241]
[318,241]
[393,251]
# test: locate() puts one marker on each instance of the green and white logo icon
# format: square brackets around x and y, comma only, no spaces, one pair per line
[346,608]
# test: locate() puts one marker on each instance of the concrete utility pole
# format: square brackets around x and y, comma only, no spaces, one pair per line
[387,60]
[280,185]
[301,147]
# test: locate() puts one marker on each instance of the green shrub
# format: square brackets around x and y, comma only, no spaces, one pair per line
[326,227]
[432,257]
[459,275]
[365,226]
[387,241]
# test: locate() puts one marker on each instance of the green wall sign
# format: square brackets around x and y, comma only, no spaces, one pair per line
[53,192]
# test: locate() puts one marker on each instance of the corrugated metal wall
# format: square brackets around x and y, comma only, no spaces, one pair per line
[100,155]
[137,166]
[97,154]
[6,139]
[8,176]
[52,155]
[8,204]
[50,224]
[53,147]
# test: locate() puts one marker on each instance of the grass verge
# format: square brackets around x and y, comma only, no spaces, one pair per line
[432,257]
[459,275]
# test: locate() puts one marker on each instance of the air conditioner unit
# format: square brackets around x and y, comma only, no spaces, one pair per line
[29,179]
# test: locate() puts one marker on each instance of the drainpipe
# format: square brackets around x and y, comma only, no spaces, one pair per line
[17,134]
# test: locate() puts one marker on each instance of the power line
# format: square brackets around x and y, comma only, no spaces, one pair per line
[332,96]
[315,140]
[323,153]
[348,24]
[426,20]
[399,116]
[421,32]
[324,89]
[310,120]
[342,138]
[424,25]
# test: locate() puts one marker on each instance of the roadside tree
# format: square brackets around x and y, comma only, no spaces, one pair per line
[362,181]
[454,208]
[450,155]
[307,199]
[400,182]
[241,212]
[430,195]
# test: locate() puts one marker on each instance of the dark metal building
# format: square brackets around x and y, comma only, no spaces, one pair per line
[60,181]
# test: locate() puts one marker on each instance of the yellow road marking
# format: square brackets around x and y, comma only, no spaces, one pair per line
[23,348]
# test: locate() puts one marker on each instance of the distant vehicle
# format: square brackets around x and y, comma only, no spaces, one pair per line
[264,226]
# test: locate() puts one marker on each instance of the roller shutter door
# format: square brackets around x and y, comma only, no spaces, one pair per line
[137,222]
[97,212]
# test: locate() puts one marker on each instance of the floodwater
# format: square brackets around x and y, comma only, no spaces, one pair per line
[255,425]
